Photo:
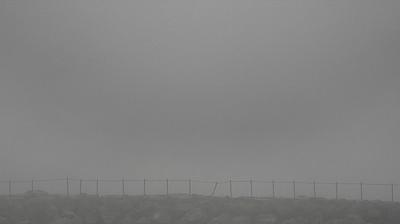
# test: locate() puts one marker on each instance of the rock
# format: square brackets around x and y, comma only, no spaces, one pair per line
[241,220]
[221,219]
[336,221]
[36,193]
[68,217]
[162,217]
[127,220]
[296,221]
[24,222]
[266,219]
[184,207]
[354,219]
[65,220]
[3,220]
[39,210]
[91,220]
[193,216]
[108,216]
[68,214]
[143,220]
[374,213]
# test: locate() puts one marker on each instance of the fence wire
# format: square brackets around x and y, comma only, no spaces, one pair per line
[253,188]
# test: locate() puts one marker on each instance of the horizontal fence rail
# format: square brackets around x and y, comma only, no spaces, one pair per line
[253,188]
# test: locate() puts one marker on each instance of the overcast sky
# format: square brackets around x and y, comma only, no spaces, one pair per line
[204,89]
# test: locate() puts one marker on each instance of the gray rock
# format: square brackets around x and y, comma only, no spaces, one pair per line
[3,220]
[108,216]
[193,216]
[221,219]
[68,217]
[162,217]
[128,220]
[24,222]
[266,219]
[91,218]
[65,220]
[68,214]
[354,219]
[296,221]
[241,220]
[143,220]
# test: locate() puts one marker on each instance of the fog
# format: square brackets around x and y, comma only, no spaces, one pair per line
[202,89]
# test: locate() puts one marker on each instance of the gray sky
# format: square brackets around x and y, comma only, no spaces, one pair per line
[209,89]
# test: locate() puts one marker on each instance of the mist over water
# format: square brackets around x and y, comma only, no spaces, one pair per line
[283,90]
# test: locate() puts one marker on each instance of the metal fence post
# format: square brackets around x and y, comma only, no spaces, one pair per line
[67,186]
[123,186]
[273,189]
[215,188]
[9,188]
[392,192]
[230,188]
[166,185]
[80,186]
[97,186]
[144,186]
[361,191]
[315,190]
[336,186]
[251,188]
[190,186]
[294,189]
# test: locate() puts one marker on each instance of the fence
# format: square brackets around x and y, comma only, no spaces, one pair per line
[232,188]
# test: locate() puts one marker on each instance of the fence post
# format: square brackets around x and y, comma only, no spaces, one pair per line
[294,189]
[392,193]
[230,187]
[9,188]
[190,186]
[251,188]
[273,189]
[361,191]
[97,186]
[67,186]
[215,188]
[144,187]
[337,186]
[315,190]
[166,185]
[32,185]
[123,186]
[80,186]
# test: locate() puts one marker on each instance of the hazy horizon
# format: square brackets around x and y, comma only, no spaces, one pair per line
[203,89]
